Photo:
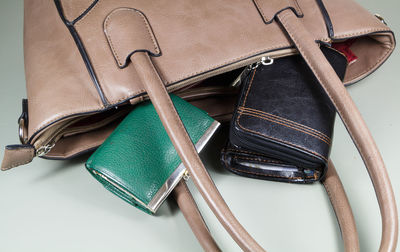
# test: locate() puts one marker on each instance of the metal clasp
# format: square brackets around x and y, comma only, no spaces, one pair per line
[380,18]
[22,131]
[186,175]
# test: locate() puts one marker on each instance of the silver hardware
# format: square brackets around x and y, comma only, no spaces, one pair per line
[238,81]
[22,132]
[254,65]
[122,189]
[266,61]
[380,18]
[180,172]
[186,176]
[44,150]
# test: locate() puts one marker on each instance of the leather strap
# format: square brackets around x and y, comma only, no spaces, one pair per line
[353,121]
[184,146]
[342,208]
[193,216]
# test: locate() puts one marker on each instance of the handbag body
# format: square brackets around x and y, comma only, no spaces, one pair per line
[88,61]
[76,77]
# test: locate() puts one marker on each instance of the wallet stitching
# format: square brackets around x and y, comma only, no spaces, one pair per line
[285,23]
[296,124]
[286,125]
[270,137]
[327,141]
[279,140]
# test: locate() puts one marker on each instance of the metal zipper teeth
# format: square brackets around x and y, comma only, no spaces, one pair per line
[49,141]
[246,62]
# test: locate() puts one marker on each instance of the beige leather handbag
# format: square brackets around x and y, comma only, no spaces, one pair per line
[88,61]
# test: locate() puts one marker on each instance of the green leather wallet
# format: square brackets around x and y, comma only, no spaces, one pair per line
[138,161]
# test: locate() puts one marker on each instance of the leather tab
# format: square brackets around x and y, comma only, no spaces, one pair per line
[16,155]
[268,9]
[128,31]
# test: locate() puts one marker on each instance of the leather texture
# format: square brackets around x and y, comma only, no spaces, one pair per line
[354,123]
[181,141]
[189,209]
[238,35]
[283,114]
[342,208]
[138,155]
[198,40]
[16,155]
[128,38]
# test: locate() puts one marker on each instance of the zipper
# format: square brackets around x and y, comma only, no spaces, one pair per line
[243,63]
[48,139]
[46,142]
[265,61]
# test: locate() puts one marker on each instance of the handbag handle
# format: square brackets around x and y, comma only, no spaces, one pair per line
[189,209]
[333,187]
[352,120]
[139,45]
[136,42]
[342,208]
[176,131]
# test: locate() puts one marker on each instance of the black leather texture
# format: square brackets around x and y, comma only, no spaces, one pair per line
[284,114]
[252,164]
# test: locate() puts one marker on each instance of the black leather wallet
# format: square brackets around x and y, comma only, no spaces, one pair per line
[283,123]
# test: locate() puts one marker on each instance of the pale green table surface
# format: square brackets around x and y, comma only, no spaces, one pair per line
[52,206]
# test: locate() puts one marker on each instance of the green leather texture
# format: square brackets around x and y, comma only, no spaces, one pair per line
[138,156]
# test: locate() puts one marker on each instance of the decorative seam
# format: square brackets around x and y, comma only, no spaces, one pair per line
[267,49]
[284,124]
[88,14]
[107,23]
[13,165]
[280,140]
[267,136]
[295,5]
[296,124]
[283,19]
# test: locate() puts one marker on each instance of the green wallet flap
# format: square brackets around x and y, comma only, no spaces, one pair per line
[138,161]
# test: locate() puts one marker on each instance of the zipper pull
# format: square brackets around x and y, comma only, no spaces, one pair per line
[43,150]
[238,81]
[265,61]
